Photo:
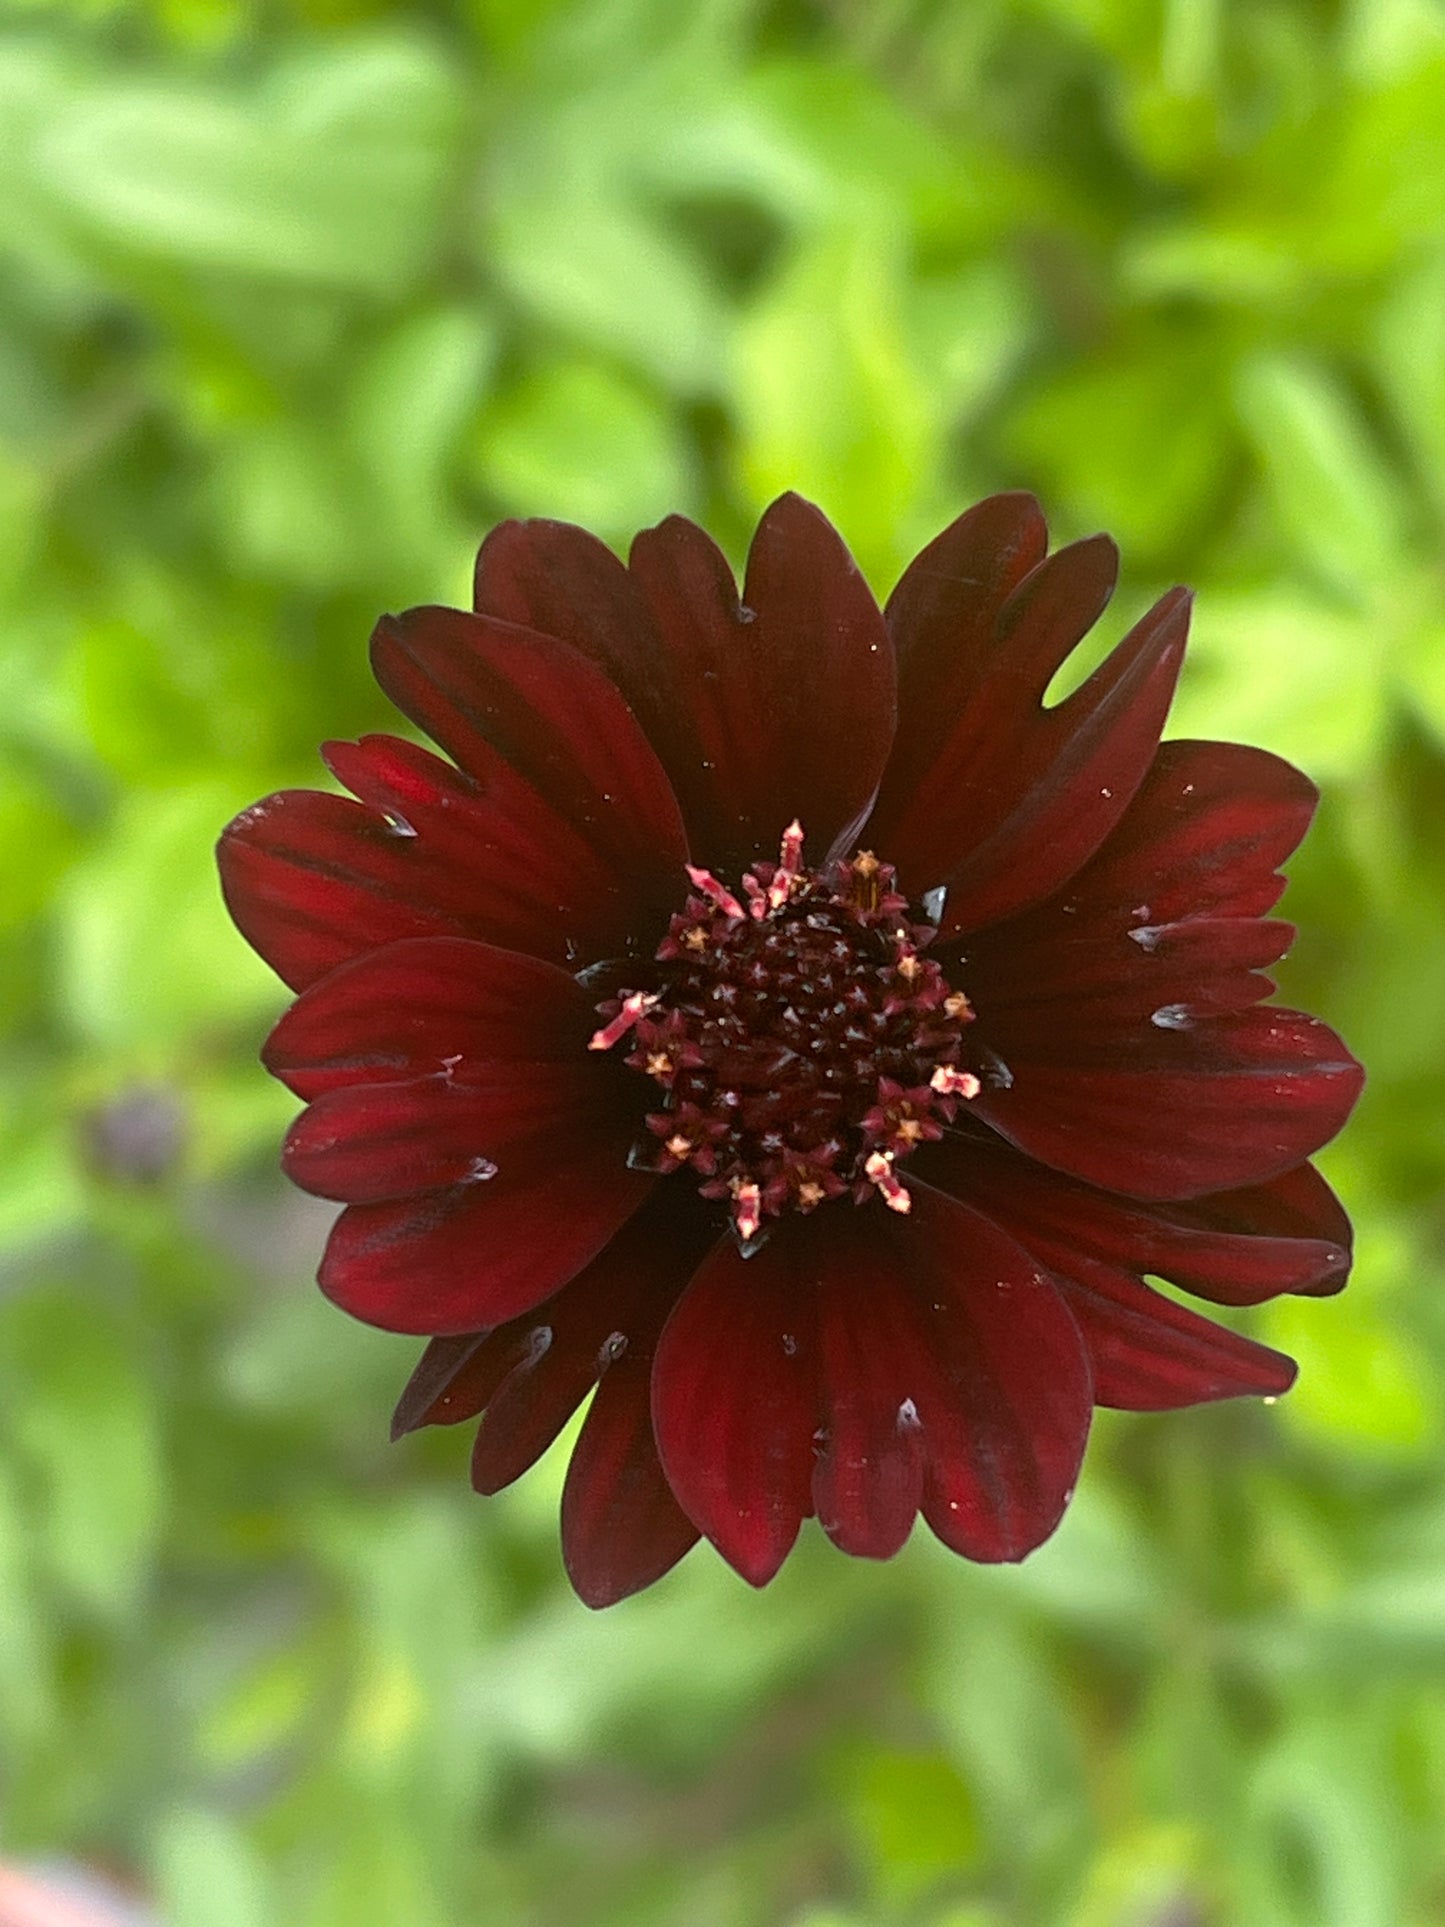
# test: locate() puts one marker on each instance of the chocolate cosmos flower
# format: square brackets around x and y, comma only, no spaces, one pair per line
[776,1016]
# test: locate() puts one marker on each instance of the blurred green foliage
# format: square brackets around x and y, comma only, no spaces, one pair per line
[295,301]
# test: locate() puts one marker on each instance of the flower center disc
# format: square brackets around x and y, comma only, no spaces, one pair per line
[804,1042]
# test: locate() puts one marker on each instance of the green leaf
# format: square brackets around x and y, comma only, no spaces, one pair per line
[86,1425]
[1338,505]
[605,277]
[1410,356]
[1289,672]
[913,1818]
[829,400]
[1151,480]
[577,441]
[148,956]
[208,1873]
[330,176]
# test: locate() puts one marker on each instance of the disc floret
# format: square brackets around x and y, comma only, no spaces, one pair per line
[805,1043]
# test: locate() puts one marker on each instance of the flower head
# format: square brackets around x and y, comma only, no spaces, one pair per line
[779,1019]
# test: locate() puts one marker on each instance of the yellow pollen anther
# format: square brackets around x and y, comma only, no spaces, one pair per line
[659,1064]
[865,864]
[678,1146]
[909,968]
[957,1007]
[696,938]
[810,1193]
[910,1130]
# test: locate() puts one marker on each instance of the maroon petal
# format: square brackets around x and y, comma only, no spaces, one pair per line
[370,1142]
[775,706]
[868,1476]
[1235,1247]
[480,1253]
[508,866]
[734,1400]
[1150,1354]
[1175,1108]
[1004,1396]
[313,879]
[621,1526]
[1013,799]
[453,1380]
[1204,836]
[436,1006]
[508,704]
[554,1355]
[1165,918]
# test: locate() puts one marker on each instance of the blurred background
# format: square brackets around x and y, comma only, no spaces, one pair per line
[296,300]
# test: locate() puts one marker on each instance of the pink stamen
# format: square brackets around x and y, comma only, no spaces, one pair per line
[790,864]
[879,1170]
[720,894]
[634,1007]
[747,1211]
[954,1083]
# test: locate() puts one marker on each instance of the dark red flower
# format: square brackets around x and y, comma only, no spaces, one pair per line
[776,1018]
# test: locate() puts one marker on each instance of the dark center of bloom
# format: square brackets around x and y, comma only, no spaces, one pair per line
[804,1042]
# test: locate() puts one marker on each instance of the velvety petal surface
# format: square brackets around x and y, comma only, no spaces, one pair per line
[530,1374]
[990,795]
[1175,1108]
[1146,1351]
[862,1365]
[1006,1406]
[734,1399]
[1150,1354]
[313,880]
[559,833]
[762,708]
[440,1006]
[1236,1247]
[481,1252]
[511,706]
[621,1526]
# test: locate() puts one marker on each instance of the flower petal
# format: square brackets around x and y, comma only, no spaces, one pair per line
[507,704]
[511,868]
[1015,798]
[1205,836]
[436,1006]
[1004,1397]
[1236,1247]
[1165,918]
[943,617]
[734,1398]
[868,1475]
[929,1346]
[556,1352]
[782,705]
[1149,1354]
[454,1378]
[481,1253]
[775,706]
[1175,1108]
[369,1142]
[313,879]
[621,1526]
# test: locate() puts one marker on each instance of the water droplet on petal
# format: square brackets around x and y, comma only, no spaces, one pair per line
[1172,1017]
